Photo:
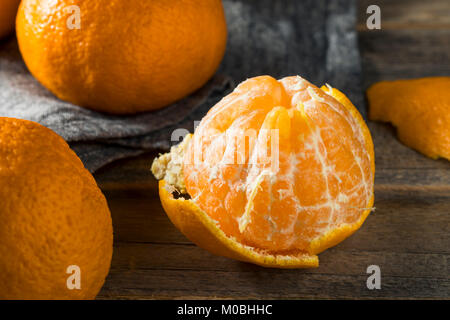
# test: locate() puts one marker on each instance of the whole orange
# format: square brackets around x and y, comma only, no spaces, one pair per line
[8,10]
[56,230]
[122,56]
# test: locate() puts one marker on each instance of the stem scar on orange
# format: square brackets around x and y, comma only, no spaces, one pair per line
[280,213]
[123,56]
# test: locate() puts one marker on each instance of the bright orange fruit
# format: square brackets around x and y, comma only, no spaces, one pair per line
[419,109]
[126,56]
[53,216]
[8,10]
[276,172]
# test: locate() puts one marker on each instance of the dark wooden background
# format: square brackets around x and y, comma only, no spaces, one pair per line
[407,236]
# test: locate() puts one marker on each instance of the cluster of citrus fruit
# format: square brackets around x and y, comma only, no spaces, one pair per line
[277,171]
[114,57]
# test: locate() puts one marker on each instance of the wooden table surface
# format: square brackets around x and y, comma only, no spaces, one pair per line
[407,236]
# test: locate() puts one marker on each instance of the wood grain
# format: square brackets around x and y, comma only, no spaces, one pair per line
[407,235]
[408,14]
[404,54]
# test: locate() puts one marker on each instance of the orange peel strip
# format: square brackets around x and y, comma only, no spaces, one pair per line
[419,109]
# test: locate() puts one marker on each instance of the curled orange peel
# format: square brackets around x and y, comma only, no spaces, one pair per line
[419,109]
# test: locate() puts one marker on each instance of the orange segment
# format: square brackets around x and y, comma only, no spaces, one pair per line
[202,230]
[281,167]
[419,109]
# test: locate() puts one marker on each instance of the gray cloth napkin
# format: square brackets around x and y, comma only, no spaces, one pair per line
[312,38]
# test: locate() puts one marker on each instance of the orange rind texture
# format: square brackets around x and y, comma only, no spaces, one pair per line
[320,192]
[53,215]
[419,109]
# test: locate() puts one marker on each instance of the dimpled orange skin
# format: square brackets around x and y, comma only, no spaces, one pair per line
[323,190]
[128,56]
[52,216]
[8,10]
[419,109]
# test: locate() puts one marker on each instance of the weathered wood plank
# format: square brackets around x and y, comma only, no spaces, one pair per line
[404,54]
[265,283]
[390,153]
[142,256]
[408,14]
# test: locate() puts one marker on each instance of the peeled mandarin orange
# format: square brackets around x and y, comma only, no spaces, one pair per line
[122,56]
[55,233]
[275,173]
[419,109]
[8,10]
